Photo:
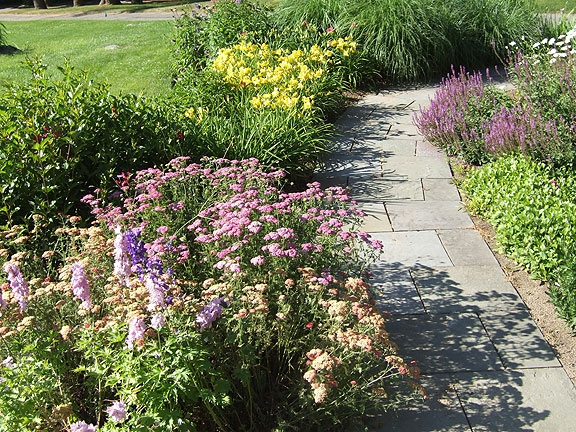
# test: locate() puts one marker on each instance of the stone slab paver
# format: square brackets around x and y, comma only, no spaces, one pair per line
[398,147]
[485,362]
[376,219]
[439,412]
[385,189]
[469,288]
[404,130]
[442,189]
[395,292]
[427,215]
[418,167]
[517,339]
[466,247]
[442,343]
[425,149]
[538,400]
[408,249]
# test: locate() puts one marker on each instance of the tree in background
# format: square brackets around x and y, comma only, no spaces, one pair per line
[40,4]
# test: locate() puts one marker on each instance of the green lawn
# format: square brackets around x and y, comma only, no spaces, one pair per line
[556,5]
[134,56]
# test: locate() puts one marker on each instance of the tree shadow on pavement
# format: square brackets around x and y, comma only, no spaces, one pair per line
[465,359]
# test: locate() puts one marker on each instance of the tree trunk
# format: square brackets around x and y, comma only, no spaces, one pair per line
[78,3]
[40,4]
[109,2]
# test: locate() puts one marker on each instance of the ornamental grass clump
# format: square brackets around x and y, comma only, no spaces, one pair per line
[203,298]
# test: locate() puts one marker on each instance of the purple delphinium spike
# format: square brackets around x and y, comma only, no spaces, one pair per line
[18,285]
[136,329]
[80,286]
[117,411]
[158,321]
[122,261]
[210,313]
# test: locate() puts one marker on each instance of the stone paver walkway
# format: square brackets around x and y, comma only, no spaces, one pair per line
[485,364]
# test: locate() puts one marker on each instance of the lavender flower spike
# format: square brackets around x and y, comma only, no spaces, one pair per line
[122,261]
[18,284]
[80,286]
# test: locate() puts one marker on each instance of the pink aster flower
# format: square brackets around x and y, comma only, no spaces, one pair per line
[257,260]
[162,230]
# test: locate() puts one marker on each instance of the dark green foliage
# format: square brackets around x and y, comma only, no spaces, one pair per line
[62,137]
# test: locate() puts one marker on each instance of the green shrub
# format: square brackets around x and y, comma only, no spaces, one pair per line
[62,136]
[563,288]
[531,207]
[533,211]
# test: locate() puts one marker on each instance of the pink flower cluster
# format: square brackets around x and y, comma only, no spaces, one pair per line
[319,375]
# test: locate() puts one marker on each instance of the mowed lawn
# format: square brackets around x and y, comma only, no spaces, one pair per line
[556,5]
[133,56]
